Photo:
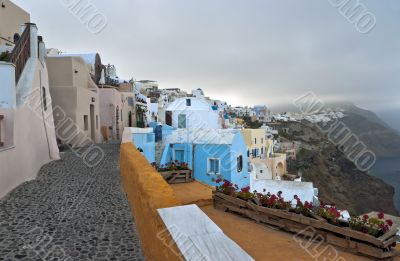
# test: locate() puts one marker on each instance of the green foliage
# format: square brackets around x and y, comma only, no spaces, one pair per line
[4,56]
[251,124]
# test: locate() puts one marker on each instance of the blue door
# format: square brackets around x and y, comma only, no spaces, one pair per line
[180,155]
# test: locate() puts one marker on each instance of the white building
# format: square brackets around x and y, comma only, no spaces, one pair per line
[191,113]
[198,93]
[304,190]
[27,133]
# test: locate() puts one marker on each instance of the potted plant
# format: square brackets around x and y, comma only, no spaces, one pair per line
[374,226]
[4,56]
[329,212]
[304,209]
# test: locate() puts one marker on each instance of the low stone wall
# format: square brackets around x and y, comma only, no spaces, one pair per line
[147,191]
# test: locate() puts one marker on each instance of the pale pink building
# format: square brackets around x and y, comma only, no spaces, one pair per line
[76,94]
[111,118]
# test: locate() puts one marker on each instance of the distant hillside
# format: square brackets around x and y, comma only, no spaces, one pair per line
[374,132]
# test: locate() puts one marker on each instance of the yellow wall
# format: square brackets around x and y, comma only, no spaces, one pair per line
[250,135]
[277,163]
[147,191]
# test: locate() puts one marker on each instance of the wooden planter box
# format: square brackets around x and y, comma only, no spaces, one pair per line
[314,227]
[177,176]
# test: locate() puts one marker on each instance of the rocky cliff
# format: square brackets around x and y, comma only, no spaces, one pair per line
[337,178]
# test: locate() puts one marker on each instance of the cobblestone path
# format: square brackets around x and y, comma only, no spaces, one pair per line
[70,212]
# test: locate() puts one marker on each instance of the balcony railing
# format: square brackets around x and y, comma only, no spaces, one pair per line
[21,52]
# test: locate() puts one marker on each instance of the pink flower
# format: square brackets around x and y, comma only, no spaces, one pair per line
[381,215]
[365,217]
[389,222]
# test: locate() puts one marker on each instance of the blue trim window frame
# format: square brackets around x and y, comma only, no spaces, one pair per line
[213,166]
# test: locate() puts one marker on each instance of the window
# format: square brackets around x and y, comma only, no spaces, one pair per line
[130,101]
[1,131]
[188,102]
[86,122]
[168,118]
[261,171]
[213,166]
[97,122]
[262,140]
[182,121]
[239,163]
[255,140]
[44,98]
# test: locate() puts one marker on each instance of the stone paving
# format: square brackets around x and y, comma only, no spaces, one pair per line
[70,212]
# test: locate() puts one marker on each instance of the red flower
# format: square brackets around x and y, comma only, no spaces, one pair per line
[334,212]
[308,205]
[227,183]
[246,189]
[389,222]
[381,215]
[365,217]
[218,180]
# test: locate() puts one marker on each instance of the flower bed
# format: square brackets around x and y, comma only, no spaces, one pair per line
[322,222]
[172,166]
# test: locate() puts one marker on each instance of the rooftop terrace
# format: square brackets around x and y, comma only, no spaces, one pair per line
[259,241]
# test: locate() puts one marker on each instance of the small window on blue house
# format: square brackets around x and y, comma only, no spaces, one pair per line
[213,166]
[188,102]
[240,163]
[182,121]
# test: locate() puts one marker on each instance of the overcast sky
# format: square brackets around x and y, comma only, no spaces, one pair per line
[244,52]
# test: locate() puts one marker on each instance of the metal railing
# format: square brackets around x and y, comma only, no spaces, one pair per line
[21,52]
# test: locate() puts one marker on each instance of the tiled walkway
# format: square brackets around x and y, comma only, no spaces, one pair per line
[70,212]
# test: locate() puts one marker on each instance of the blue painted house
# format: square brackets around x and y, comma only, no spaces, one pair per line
[144,139]
[210,154]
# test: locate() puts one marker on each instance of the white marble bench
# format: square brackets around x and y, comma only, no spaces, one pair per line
[198,237]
